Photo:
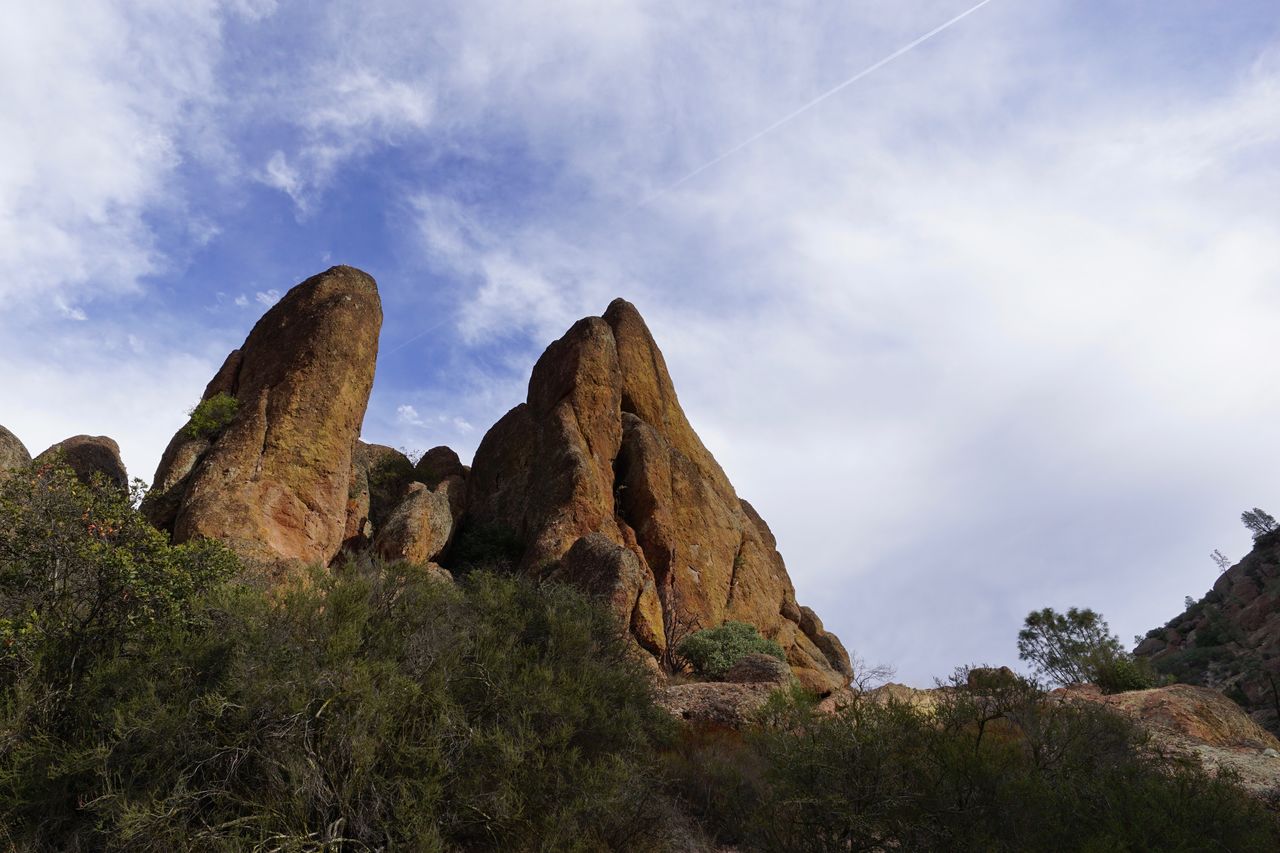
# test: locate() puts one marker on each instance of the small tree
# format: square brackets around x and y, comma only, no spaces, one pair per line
[1077,647]
[1259,521]
[1221,560]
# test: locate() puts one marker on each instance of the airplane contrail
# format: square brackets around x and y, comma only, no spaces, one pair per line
[824,96]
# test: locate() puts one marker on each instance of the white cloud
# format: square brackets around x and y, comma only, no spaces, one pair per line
[242,301]
[89,137]
[266,297]
[407,414]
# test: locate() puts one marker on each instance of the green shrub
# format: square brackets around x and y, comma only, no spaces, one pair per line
[1124,672]
[356,711]
[713,652]
[210,417]
[992,770]
[83,576]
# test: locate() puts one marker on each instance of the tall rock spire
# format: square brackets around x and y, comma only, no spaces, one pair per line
[273,483]
[602,448]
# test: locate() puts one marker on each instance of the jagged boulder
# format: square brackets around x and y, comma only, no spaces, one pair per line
[616,575]
[13,453]
[274,483]
[88,455]
[602,446]
[422,526]
[757,668]
[380,475]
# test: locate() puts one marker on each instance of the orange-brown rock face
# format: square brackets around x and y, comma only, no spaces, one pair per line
[602,446]
[274,483]
[90,455]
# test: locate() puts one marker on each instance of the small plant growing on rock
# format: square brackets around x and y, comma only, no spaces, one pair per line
[712,652]
[210,417]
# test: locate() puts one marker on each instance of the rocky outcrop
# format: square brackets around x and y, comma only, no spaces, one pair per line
[13,453]
[715,703]
[1199,723]
[274,483]
[90,455]
[1230,639]
[602,446]
[757,668]
[380,475]
[422,525]
[437,464]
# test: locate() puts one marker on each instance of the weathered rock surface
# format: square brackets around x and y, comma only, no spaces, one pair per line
[275,483]
[13,453]
[718,703]
[1230,639]
[421,527]
[1198,722]
[757,668]
[437,464]
[602,446]
[88,455]
[380,476]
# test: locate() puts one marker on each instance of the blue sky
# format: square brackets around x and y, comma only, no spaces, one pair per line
[990,330]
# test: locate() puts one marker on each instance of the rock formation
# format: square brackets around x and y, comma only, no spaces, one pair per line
[1198,723]
[379,477]
[274,483]
[88,455]
[1230,638]
[437,464]
[421,526]
[601,446]
[13,453]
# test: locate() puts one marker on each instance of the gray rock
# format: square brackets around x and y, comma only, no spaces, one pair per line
[13,453]
[757,668]
[87,455]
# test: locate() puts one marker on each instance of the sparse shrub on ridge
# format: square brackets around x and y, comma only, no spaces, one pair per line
[210,417]
[712,652]
[997,769]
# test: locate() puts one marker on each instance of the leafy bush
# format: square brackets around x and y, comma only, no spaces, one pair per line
[713,652]
[357,711]
[210,417]
[993,770]
[1125,672]
[84,577]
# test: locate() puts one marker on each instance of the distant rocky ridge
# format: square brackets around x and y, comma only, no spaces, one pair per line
[1230,638]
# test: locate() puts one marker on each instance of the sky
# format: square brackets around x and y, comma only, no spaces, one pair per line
[992,328]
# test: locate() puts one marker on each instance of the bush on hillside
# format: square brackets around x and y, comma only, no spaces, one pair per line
[83,577]
[362,711]
[210,417]
[713,652]
[993,770]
